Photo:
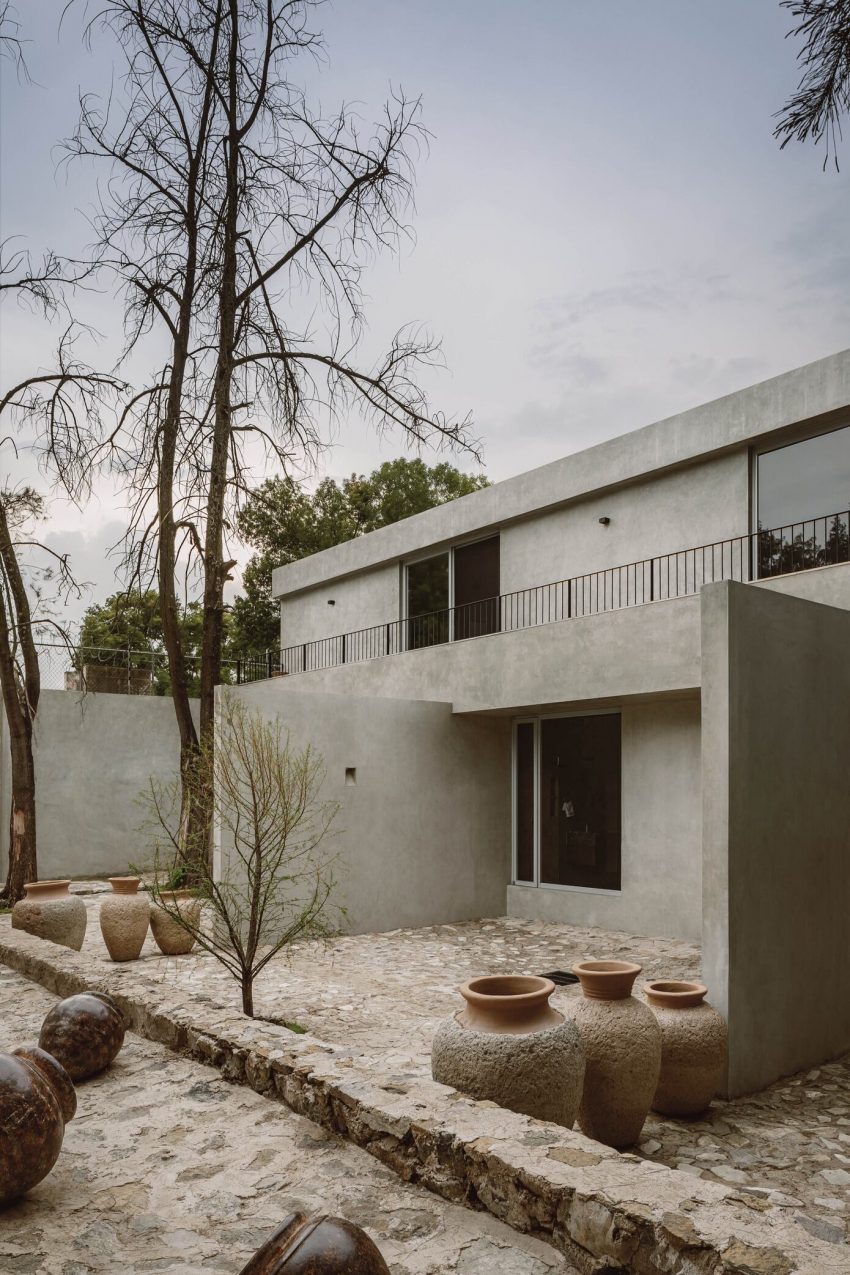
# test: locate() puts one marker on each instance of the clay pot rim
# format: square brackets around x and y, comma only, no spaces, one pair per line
[607,980]
[47,885]
[124,881]
[675,993]
[533,989]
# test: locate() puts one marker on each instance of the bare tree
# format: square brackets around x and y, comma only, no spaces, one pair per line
[823,93]
[275,881]
[233,209]
[56,409]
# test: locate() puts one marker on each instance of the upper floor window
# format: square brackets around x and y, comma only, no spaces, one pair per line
[804,480]
[802,496]
[453,595]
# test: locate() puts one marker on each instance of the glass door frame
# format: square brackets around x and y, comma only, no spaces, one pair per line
[450,550]
[536,721]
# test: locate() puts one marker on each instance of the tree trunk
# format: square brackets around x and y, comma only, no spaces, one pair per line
[216,570]
[248,995]
[22,843]
[21,689]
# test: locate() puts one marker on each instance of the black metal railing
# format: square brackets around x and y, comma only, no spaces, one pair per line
[762,554]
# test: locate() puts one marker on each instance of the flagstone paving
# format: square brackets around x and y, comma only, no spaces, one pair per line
[167,1168]
[383,995]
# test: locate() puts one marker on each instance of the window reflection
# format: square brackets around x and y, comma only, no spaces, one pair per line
[803,503]
[580,801]
[428,602]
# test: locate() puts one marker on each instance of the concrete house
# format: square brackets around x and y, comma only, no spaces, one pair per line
[612,691]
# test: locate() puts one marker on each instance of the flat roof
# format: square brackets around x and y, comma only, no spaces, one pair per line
[803,394]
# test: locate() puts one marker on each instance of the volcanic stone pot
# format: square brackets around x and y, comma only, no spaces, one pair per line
[693,1047]
[325,1246]
[37,1099]
[50,912]
[171,938]
[124,917]
[622,1047]
[84,1033]
[510,1046]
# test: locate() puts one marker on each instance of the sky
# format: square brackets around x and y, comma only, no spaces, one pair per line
[606,231]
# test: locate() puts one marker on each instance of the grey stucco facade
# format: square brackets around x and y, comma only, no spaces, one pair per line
[681,483]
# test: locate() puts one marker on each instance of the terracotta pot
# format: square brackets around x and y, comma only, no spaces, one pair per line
[693,1047]
[325,1246]
[511,1003]
[37,1099]
[50,912]
[84,1033]
[124,917]
[622,1046]
[171,938]
[508,1045]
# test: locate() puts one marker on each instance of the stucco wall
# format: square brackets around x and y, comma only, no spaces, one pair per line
[816,393]
[359,602]
[776,828]
[661,842]
[425,831]
[658,515]
[642,650]
[94,754]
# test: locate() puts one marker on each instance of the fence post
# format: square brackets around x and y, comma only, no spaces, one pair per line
[304,658]
[268,663]
[239,672]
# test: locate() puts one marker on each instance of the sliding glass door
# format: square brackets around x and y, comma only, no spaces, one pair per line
[567,801]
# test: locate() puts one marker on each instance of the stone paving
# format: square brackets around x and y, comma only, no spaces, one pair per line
[382,997]
[167,1168]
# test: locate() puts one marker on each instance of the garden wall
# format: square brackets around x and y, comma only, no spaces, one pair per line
[94,755]
[424,797]
[776,828]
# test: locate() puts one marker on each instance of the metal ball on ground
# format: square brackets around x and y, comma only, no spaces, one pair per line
[84,1032]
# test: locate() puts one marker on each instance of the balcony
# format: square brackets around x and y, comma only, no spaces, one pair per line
[760,556]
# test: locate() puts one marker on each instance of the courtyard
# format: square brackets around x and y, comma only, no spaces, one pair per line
[167,1168]
[377,999]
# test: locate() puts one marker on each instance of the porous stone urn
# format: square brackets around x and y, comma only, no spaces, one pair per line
[693,1047]
[170,937]
[324,1246]
[510,1046]
[84,1033]
[124,917]
[50,912]
[622,1048]
[37,1099]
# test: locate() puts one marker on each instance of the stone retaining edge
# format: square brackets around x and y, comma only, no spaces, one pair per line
[607,1212]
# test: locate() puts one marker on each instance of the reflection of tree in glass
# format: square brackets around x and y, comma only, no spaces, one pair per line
[820,543]
[427,601]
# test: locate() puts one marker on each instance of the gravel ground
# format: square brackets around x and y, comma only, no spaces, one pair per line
[167,1168]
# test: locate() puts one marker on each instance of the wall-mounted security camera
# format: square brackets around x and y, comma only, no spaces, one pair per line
[605,521]
[331,602]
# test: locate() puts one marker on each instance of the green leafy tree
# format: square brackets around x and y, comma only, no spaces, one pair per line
[126,631]
[283,523]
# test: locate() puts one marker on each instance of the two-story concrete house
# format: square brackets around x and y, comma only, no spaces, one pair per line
[612,691]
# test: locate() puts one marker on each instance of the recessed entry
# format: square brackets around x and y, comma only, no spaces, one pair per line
[351,774]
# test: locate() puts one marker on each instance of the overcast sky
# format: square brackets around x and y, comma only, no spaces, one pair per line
[607,232]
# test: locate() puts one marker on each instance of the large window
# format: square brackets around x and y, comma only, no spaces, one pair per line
[567,822]
[453,595]
[428,601]
[802,496]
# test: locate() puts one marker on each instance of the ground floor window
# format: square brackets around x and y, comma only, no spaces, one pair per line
[567,799]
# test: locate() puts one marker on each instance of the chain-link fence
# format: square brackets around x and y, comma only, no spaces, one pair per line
[128,672]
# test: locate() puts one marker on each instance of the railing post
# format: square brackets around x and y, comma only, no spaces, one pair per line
[304,658]
[268,663]
[388,651]
[239,672]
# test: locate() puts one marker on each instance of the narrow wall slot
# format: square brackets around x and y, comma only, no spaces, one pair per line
[351,774]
